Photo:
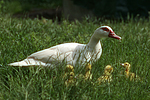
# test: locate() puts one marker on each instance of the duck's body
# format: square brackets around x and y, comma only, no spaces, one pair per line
[71,53]
[128,74]
[104,79]
[107,76]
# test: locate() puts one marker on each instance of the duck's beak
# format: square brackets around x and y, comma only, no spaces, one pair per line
[113,35]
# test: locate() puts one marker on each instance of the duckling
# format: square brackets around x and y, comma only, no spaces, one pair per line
[107,76]
[68,69]
[70,80]
[129,74]
[87,75]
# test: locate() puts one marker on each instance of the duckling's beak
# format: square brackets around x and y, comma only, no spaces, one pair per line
[113,35]
[75,77]
[122,64]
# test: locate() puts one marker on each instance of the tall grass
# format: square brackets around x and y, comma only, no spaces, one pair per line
[22,37]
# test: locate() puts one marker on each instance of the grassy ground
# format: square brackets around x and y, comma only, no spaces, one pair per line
[20,38]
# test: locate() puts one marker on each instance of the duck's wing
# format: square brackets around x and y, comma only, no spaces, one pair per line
[51,55]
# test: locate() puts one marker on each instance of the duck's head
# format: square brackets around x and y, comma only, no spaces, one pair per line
[88,67]
[69,68]
[126,65]
[108,69]
[106,31]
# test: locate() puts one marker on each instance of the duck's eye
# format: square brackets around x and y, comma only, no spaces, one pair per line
[105,29]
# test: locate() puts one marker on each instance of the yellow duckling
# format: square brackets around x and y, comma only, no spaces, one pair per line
[70,80]
[107,76]
[68,69]
[87,74]
[129,74]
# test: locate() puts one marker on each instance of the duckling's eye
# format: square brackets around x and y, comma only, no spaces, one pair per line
[126,64]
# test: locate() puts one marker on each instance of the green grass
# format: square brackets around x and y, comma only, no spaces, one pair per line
[21,37]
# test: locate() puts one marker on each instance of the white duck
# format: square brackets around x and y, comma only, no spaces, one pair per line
[71,53]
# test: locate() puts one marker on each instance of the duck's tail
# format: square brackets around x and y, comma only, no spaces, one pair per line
[27,63]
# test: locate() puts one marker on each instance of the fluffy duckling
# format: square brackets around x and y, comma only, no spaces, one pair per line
[129,74]
[68,69]
[107,76]
[70,80]
[87,75]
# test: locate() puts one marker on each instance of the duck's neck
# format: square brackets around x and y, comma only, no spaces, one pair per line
[107,73]
[127,72]
[94,42]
